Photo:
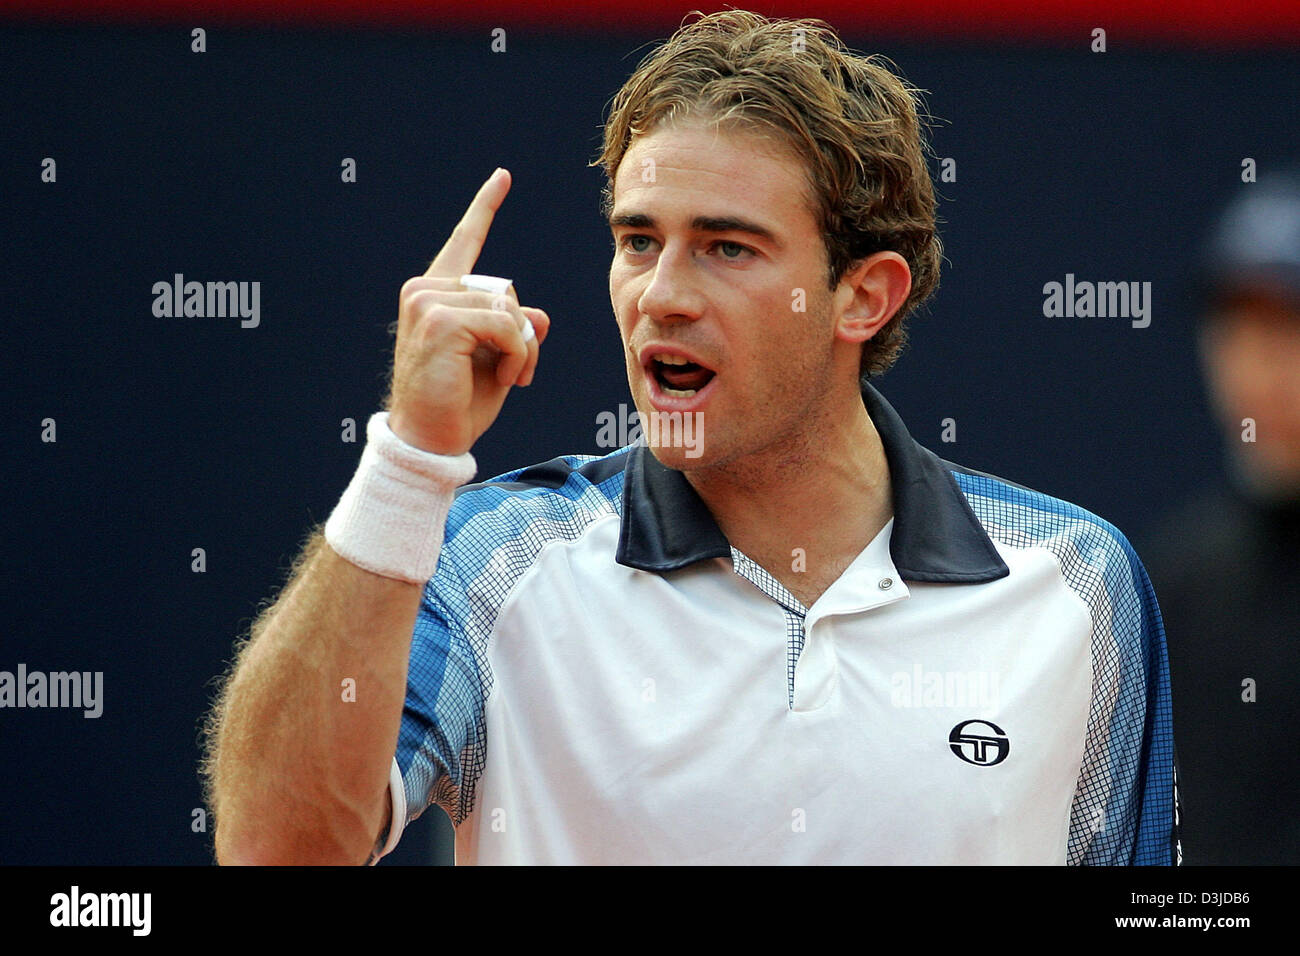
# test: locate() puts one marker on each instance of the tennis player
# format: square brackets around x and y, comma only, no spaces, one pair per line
[774,629]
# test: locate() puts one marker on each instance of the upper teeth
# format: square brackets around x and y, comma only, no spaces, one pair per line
[667,359]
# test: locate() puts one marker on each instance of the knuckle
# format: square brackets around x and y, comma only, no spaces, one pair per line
[412,286]
[505,303]
[420,304]
[437,312]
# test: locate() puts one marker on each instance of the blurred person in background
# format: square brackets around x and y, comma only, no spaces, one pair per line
[1226,565]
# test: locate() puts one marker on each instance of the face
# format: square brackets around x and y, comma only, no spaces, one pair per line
[1251,350]
[718,286]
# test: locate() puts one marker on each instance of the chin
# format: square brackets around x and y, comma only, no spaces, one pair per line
[677,438]
[680,458]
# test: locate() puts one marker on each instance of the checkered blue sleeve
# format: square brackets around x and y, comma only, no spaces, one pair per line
[494,532]
[442,738]
[1138,826]
[1124,807]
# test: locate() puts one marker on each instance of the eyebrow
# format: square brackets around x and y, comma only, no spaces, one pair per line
[638,220]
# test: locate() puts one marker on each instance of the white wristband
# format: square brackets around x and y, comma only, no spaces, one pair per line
[390,521]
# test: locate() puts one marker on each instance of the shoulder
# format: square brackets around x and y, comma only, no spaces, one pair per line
[556,498]
[1096,558]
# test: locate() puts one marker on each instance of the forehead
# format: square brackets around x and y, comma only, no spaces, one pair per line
[729,169]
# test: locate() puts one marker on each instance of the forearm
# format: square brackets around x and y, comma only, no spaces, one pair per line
[301,760]
[296,767]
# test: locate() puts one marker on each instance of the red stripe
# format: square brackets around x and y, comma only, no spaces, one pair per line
[1200,22]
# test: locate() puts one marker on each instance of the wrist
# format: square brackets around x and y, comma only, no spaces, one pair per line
[401,425]
[390,519]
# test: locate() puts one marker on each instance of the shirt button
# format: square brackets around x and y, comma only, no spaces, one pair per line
[885,584]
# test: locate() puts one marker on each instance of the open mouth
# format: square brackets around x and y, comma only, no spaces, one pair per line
[677,377]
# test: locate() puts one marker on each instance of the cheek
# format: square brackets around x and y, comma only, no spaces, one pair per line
[625,319]
[620,303]
[787,325]
[788,348]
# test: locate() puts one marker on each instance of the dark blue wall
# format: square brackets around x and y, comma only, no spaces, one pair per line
[182,433]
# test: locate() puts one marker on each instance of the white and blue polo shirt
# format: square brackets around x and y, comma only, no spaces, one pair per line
[598,676]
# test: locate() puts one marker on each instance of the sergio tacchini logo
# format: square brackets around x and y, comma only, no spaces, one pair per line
[980,742]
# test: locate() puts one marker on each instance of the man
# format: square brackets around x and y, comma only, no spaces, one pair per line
[1227,561]
[778,631]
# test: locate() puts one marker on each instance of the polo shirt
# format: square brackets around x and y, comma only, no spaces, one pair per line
[597,676]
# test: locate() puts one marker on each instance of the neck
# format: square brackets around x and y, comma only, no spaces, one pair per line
[824,490]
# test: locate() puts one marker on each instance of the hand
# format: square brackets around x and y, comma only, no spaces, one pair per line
[459,350]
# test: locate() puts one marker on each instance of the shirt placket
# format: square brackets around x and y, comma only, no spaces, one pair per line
[791,607]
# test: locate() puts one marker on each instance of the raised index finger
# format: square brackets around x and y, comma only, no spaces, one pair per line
[462,249]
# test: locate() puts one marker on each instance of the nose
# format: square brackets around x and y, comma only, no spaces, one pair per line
[672,294]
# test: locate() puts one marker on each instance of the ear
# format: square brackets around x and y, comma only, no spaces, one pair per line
[869,295]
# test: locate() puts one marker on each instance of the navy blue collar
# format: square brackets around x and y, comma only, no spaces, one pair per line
[936,536]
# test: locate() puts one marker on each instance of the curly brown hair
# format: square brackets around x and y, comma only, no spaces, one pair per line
[854,121]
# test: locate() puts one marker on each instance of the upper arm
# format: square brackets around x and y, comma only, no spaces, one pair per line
[441,744]
[1124,809]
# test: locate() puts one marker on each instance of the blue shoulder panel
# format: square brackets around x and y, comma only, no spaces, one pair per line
[494,532]
[1124,806]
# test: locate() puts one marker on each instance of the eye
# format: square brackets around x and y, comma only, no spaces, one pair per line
[628,240]
[725,245]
